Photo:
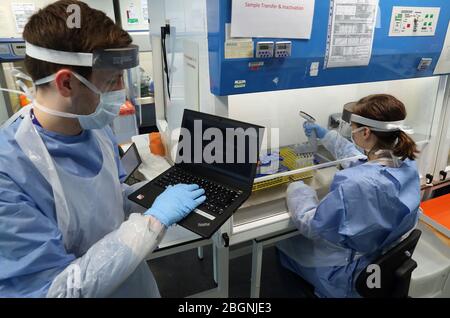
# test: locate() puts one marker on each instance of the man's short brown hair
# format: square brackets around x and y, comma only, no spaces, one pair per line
[48,28]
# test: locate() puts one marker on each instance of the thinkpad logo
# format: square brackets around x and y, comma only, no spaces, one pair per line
[203,224]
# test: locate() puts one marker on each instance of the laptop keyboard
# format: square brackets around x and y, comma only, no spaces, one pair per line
[218,197]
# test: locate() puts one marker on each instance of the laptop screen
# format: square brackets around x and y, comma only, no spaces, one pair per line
[226,146]
[130,160]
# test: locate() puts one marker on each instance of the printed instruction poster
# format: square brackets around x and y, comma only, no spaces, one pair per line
[22,12]
[352,31]
[132,14]
[237,48]
[144,7]
[291,19]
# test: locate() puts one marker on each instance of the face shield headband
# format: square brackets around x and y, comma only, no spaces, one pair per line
[112,59]
[375,125]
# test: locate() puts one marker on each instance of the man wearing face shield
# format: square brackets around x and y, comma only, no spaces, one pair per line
[371,205]
[66,226]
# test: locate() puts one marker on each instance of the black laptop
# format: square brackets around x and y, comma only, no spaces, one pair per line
[130,162]
[227,180]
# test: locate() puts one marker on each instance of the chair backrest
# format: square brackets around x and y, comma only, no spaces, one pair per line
[395,269]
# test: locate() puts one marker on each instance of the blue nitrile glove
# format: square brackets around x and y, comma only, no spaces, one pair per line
[309,127]
[176,202]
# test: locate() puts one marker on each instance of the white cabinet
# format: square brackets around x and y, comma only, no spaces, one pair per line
[441,171]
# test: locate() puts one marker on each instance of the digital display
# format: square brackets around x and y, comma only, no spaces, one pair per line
[263,47]
[282,47]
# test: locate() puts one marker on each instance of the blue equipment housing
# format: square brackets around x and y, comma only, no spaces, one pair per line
[393,58]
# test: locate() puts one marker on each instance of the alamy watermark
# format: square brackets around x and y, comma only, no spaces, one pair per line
[373,281]
[74,19]
[218,146]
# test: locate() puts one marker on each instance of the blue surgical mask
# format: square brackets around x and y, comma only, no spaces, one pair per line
[107,109]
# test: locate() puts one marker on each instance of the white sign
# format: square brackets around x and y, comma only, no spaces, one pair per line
[191,75]
[290,19]
[352,30]
[237,48]
[22,12]
[443,65]
[144,7]
[132,15]
[414,21]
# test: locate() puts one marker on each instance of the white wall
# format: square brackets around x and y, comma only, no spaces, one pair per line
[146,62]
[188,17]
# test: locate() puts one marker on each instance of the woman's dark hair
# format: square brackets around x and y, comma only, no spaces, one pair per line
[384,107]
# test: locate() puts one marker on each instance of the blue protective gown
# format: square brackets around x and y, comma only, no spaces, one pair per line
[368,209]
[32,252]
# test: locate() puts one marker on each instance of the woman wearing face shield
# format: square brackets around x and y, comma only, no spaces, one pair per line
[67,228]
[371,204]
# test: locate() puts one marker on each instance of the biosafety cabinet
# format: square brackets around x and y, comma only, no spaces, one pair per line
[264,61]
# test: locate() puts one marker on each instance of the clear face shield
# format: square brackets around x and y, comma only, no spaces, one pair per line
[345,124]
[109,66]
[103,92]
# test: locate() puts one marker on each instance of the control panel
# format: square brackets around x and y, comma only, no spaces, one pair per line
[414,21]
[283,49]
[11,50]
[264,49]
[18,49]
[425,64]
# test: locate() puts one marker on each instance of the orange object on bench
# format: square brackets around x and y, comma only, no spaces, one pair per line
[156,144]
[24,101]
[437,213]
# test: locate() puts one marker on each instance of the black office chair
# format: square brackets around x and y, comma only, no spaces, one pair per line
[396,267]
